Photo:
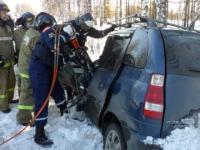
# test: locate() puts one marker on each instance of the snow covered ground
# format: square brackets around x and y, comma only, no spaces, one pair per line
[67,134]
[187,138]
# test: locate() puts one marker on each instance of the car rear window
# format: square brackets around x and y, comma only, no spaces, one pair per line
[182,52]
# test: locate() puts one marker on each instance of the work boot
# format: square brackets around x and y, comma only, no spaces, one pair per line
[63,111]
[6,111]
[41,138]
[14,101]
[69,93]
[63,108]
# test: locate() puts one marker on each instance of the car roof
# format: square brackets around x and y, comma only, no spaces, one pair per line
[170,30]
[137,19]
[165,29]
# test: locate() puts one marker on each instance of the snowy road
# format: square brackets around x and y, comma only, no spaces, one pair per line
[66,133]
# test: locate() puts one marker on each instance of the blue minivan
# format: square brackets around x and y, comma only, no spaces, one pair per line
[147,79]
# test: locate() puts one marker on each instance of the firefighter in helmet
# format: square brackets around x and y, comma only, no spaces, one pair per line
[7,59]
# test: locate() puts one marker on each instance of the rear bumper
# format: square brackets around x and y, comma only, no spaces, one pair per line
[135,141]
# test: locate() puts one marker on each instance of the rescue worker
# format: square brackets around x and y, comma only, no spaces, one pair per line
[83,27]
[26,102]
[7,75]
[24,22]
[41,73]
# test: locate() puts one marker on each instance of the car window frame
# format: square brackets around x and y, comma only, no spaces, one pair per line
[130,47]
[122,53]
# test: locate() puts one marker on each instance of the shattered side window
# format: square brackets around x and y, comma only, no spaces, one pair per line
[114,47]
[137,52]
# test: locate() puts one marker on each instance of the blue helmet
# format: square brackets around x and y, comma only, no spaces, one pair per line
[44,20]
[86,17]
[25,20]
[82,21]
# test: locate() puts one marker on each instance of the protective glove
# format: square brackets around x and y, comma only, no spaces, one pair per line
[2,61]
[113,27]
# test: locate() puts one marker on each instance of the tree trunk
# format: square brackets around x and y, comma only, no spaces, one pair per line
[162,7]
[101,12]
[144,8]
[89,3]
[105,11]
[78,7]
[69,9]
[120,10]
[186,13]
[116,11]
[127,9]
[197,8]
[192,14]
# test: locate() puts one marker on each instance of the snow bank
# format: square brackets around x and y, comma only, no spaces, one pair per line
[67,134]
[187,138]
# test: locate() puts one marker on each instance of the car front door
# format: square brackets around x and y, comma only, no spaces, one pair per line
[104,77]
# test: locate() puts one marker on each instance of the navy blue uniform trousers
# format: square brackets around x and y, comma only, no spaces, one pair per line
[41,78]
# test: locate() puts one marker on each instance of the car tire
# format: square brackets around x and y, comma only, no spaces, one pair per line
[113,138]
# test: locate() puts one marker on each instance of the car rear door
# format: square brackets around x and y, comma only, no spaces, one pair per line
[144,57]
[104,77]
[182,88]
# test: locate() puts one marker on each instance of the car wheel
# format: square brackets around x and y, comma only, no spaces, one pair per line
[113,138]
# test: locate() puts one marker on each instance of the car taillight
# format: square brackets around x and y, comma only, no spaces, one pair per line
[154,99]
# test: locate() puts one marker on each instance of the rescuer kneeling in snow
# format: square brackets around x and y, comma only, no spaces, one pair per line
[41,73]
